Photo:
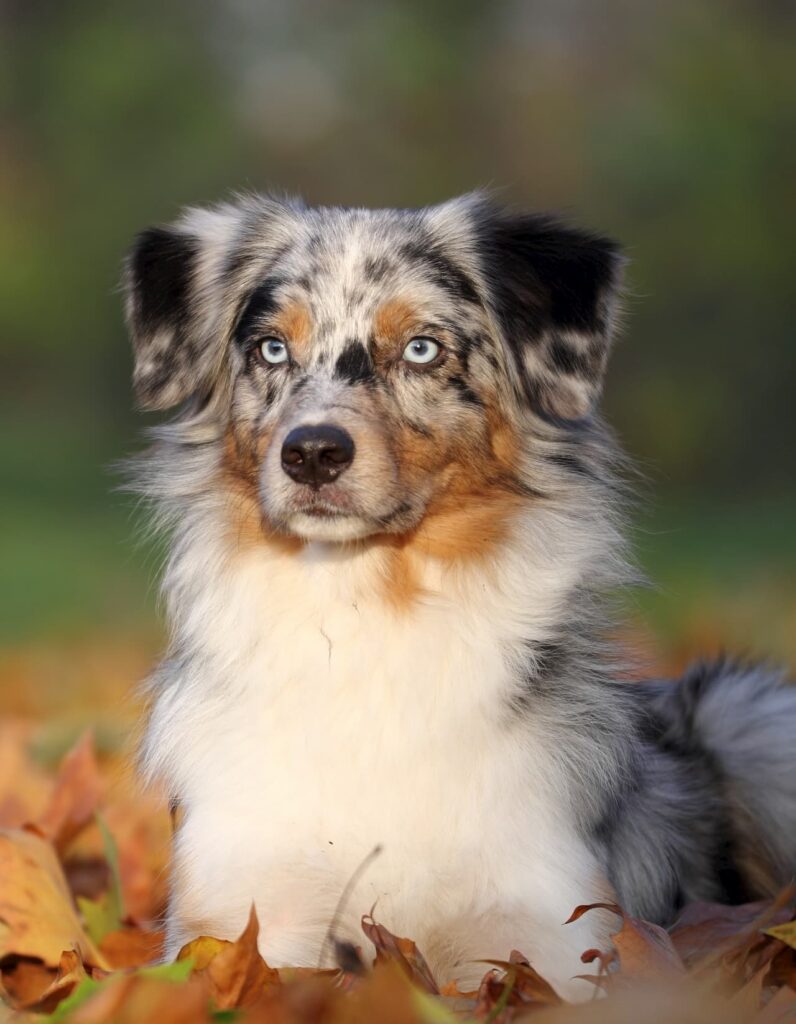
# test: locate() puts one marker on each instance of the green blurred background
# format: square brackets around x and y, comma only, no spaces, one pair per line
[667,124]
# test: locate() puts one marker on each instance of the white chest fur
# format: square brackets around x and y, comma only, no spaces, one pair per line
[315,722]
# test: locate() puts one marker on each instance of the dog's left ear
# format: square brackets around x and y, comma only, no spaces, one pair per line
[554,293]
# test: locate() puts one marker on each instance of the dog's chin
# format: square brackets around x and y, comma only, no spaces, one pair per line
[331,528]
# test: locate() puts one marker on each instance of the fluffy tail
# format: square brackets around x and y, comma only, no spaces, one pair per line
[743,717]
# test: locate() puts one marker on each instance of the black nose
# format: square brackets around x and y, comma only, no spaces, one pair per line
[317,455]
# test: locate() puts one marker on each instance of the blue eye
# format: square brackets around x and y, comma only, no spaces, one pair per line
[273,350]
[421,351]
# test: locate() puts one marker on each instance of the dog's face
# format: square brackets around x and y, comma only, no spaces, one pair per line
[372,369]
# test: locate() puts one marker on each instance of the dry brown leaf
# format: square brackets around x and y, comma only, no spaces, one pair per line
[645,950]
[75,797]
[528,983]
[24,980]
[383,997]
[783,968]
[131,946]
[497,997]
[235,972]
[37,916]
[704,927]
[70,973]
[403,952]
[138,999]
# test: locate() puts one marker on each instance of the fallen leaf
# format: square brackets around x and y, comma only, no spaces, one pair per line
[235,972]
[783,968]
[403,952]
[37,917]
[75,797]
[784,932]
[702,927]
[202,950]
[131,946]
[497,994]
[24,980]
[527,981]
[24,786]
[645,950]
[71,973]
[136,999]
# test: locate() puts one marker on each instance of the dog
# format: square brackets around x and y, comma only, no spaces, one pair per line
[396,529]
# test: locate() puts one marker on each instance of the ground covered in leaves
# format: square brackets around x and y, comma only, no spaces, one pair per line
[83,869]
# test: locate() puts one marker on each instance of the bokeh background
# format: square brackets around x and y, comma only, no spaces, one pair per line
[668,124]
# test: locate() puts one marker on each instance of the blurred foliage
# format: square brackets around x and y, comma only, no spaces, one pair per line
[667,124]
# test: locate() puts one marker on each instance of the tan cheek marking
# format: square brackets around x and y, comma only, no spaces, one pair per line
[475,502]
[455,533]
[240,466]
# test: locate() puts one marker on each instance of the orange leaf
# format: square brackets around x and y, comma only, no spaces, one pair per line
[131,947]
[37,916]
[137,999]
[24,981]
[70,973]
[75,796]
[236,974]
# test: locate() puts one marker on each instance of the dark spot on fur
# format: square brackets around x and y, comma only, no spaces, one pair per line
[567,359]
[162,264]
[376,269]
[570,462]
[258,307]
[465,392]
[442,270]
[353,364]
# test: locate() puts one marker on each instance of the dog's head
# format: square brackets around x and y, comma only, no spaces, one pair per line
[370,369]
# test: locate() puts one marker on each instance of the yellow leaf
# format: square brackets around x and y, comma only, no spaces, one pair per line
[37,916]
[784,932]
[202,950]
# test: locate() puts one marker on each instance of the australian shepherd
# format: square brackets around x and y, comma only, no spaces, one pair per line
[395,534]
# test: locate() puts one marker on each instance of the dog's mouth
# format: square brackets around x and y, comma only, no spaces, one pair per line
[329,503]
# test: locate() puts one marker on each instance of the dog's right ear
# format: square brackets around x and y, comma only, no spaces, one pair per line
[183,285]
[160,291]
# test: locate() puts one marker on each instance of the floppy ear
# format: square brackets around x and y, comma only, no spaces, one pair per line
[554,292]
[182,285]
[159,289]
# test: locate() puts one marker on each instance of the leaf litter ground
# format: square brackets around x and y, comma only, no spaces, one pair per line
[83,874]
